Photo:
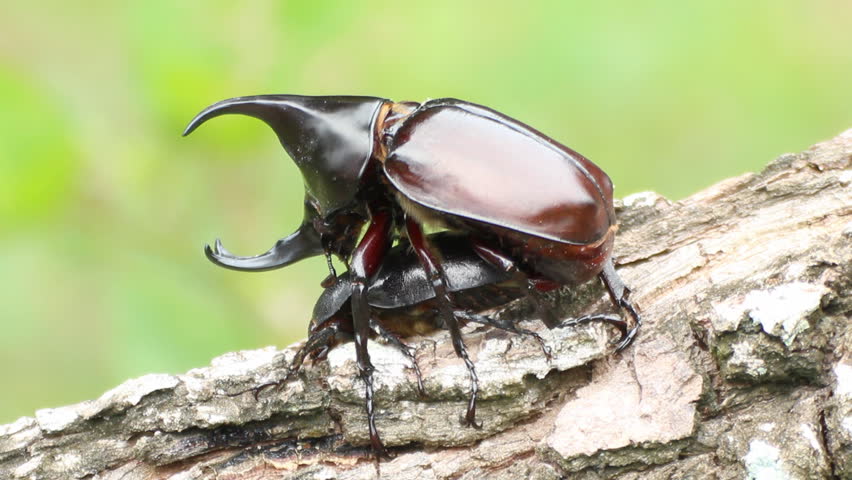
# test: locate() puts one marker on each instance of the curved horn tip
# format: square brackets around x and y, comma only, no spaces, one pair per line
[206,114]
[230,105]
[189,128]
[220,249]
[216,249]
[217,255]
[195,122]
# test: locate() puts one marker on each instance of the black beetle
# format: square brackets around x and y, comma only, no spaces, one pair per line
[402,300]
[531,206]
[403,303]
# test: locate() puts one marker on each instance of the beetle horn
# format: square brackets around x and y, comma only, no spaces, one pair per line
[303,243]
[330,138]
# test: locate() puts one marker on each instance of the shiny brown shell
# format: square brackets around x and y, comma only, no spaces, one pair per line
[467,160]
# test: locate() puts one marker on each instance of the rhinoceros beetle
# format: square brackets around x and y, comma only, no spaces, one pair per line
[403,303]
[532,207]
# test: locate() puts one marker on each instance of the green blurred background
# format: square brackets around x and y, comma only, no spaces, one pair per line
[104,208]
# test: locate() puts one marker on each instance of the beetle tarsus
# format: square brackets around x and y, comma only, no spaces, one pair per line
[618,293]
[629,335]
[318,339]
[435,273]
[470,415]
[507,326]
[366,375]
[405,349]
[609,318]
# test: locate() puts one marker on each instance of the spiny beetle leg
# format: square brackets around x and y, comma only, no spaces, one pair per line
[637,322]
[505,263]
[317,340]
[402,347]
[504,325]
[470,416]
[435,273]
[618,293]
[609,318]
[361,309]
[364,262]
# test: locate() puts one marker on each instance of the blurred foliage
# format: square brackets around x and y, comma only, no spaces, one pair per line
[104,208]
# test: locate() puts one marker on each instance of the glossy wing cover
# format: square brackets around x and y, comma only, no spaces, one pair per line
[471,161]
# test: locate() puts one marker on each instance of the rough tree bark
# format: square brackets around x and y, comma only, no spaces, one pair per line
[743,370]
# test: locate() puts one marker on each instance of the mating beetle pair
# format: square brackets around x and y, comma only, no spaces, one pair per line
[531,208]
[403,301]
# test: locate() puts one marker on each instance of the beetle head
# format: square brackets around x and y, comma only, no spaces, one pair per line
[331,140]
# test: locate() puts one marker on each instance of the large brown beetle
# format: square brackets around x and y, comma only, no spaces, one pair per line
[533,207]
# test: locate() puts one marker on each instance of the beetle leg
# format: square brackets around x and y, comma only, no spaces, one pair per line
[318,340]
[616,288]
[435,273]
[609,318]
[319,343]
[364,262]
[618,293]
[504,325]
[500,260]
[402,347]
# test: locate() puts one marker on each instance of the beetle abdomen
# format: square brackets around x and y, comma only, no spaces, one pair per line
[466,160]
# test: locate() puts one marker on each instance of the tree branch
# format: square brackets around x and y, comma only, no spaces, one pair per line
[743,368]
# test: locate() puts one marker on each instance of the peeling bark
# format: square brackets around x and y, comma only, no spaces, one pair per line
[743,370]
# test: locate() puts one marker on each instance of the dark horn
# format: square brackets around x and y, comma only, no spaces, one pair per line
[330,138]
[303,243]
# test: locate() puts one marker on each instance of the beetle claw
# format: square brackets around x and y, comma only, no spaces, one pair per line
[629,335]
[469,420]
[217,248]
[627,339]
